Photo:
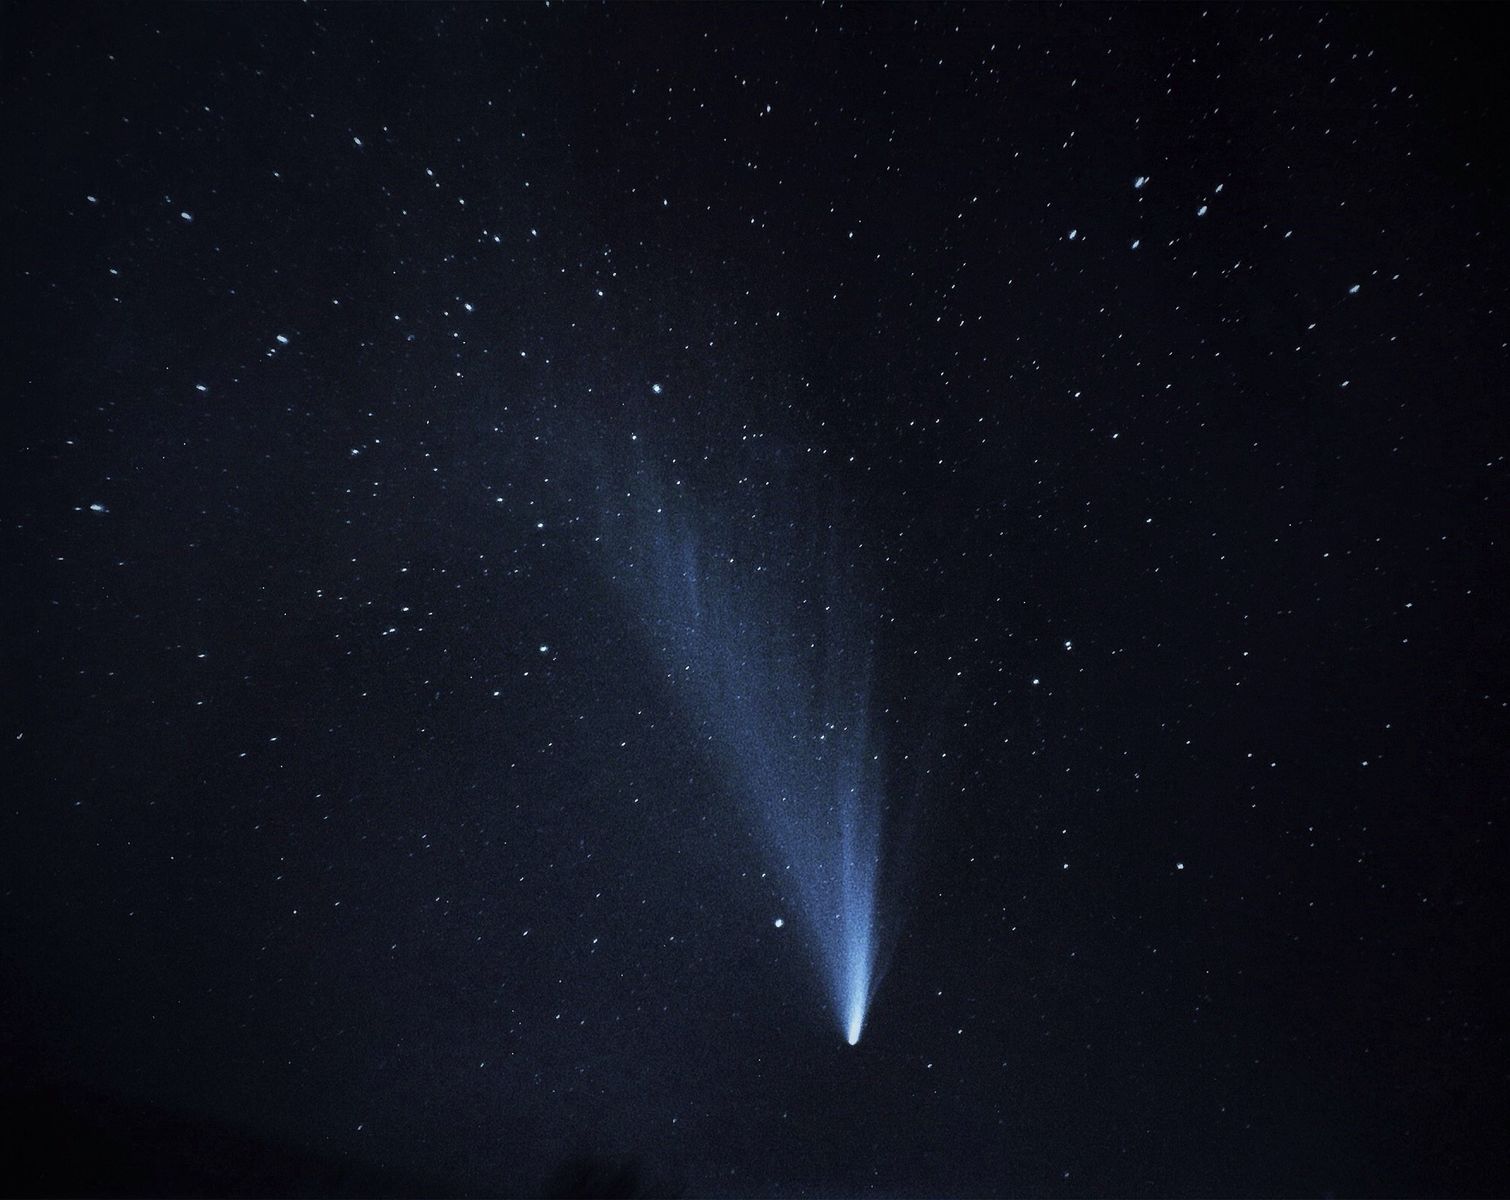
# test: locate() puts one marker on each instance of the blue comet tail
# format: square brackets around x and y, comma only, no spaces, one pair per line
[761,645]
[852,986]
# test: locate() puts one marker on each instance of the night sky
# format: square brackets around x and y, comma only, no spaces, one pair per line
[562,560]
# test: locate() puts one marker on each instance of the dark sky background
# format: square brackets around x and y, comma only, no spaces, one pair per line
[353,842]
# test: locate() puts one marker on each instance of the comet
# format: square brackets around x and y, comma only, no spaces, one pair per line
[762,641]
